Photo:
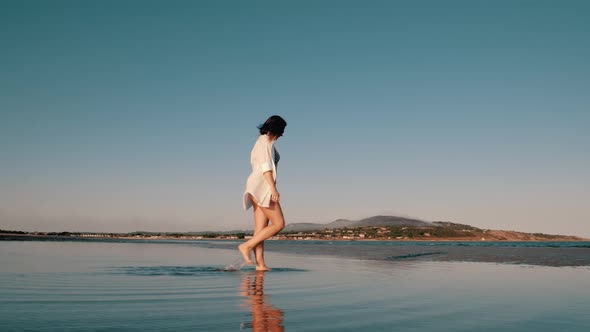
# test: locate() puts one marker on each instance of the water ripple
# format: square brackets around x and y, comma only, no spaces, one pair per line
[184,271]
[416,255]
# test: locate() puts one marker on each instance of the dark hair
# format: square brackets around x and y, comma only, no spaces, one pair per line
[275,125]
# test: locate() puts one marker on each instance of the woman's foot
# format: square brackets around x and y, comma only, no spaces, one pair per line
[246,253]
[262,268]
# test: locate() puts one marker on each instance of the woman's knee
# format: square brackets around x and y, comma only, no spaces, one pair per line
[279,223]
[259,227]
[276,217]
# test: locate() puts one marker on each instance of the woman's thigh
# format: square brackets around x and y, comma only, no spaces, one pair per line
[260,219]
[274,213]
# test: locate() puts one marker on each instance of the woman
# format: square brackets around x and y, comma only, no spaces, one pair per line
[261,191]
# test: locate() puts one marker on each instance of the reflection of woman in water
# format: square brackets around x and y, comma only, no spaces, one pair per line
[265,317]
[261,191]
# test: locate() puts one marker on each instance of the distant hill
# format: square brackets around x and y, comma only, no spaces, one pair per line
[453,225]
[338,223]
[385,221]
[391,221]
[419,229]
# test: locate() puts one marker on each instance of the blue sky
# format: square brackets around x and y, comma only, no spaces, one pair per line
[140,115]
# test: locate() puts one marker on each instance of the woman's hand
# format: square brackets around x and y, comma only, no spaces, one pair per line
[274,195]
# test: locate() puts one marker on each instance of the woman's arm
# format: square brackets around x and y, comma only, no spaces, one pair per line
[274,194]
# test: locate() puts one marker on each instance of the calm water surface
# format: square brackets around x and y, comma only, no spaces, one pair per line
[183,286]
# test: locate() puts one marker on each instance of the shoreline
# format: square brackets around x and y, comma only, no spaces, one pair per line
[7,236]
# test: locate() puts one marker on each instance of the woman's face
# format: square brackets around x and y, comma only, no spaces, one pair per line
[274,138]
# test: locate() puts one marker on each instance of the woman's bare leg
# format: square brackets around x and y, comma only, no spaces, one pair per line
[275,214]
[260,221]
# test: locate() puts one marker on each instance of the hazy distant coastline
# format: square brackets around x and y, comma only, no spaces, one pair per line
[376,228]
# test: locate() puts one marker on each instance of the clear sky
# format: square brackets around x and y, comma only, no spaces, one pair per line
[140,115]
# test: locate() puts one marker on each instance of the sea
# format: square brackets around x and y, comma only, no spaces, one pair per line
[177,285]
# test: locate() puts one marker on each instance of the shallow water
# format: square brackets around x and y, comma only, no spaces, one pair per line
[180,286]
[528,253]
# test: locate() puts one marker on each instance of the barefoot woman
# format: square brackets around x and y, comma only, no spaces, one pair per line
[261,192]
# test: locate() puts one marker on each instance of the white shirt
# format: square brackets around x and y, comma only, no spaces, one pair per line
[263,159]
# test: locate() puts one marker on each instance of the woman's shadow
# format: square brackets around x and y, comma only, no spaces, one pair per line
[265,316]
